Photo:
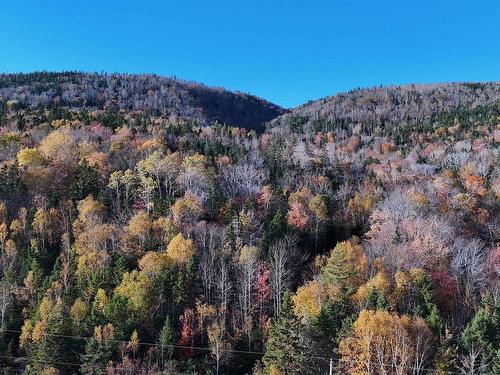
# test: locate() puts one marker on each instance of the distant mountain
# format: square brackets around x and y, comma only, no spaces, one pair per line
[153,94]
[393,107]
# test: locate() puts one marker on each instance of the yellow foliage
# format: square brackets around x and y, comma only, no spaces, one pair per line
[101,299]
[139,225]
[196,161]
[151,144]
[309,299]
[16,227]
[85,149]
[41,221]
[318,206]
[133,343]
[78,311]
[45,307]
[90,262]
[89,210]
[39,331]
[59,146]
[26,331]
[302,195]
[360,204]
[380,339]
[274,371]
[3,232]
[180,249]
[165,228]
[103,333]
[136,287]
[153,262]
[419,198]
[30,157]
[351,259]
[3,212]
[10,249]
[186,208]
[248,254]
[50,371]
[380,281]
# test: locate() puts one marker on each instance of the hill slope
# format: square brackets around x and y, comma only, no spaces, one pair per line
[371,216]
[393,106]
[155,95]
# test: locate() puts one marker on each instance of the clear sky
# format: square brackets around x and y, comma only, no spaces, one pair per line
[283,50]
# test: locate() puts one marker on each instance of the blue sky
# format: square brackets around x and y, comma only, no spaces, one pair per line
[283,50]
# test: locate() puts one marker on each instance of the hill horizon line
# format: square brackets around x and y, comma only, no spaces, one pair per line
[421,85]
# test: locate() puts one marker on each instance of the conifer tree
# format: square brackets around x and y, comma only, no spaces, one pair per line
[165,340]
[284,348]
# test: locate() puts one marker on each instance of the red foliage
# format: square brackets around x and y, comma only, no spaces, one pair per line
[297,216]
[446,290]
[263,285]
[187,331]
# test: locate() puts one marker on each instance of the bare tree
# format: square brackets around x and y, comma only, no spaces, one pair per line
[283,258]
[5,301]
[473,362]
[209,238]
[243,180]
[469,264]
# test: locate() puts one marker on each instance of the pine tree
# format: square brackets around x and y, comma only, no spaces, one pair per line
[328,324]
[275,228]
[426,306]
[483,331]
[372,299]
[165,340]
[284,348]
[86,182]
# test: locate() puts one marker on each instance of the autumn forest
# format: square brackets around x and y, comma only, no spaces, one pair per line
[150,225]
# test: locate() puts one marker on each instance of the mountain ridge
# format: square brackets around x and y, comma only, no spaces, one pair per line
[138,92]
[390,105]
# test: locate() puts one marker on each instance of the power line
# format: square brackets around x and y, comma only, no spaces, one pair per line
[70,364]
[185,347]
[173,346]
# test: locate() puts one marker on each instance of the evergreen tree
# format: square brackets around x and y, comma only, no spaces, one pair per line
[52,347]
[86,182]
[425,303]
[483,331]
[165,340]
[284,348]
[328,324]
[276,227]
[372,299]
[97,354]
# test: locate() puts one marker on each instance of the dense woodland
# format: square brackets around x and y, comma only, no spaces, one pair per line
[142,233]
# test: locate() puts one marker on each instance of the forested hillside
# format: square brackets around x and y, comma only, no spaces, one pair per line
[139,236]
[149,94]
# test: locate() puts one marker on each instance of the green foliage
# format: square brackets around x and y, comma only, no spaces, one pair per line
[483,331]
[165,342]
[276,227]
[376,300]
[102,271]
[97,354]
[112,118]
[425,303]
[12,188]
[328,324]
[86,182]
[284,349]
